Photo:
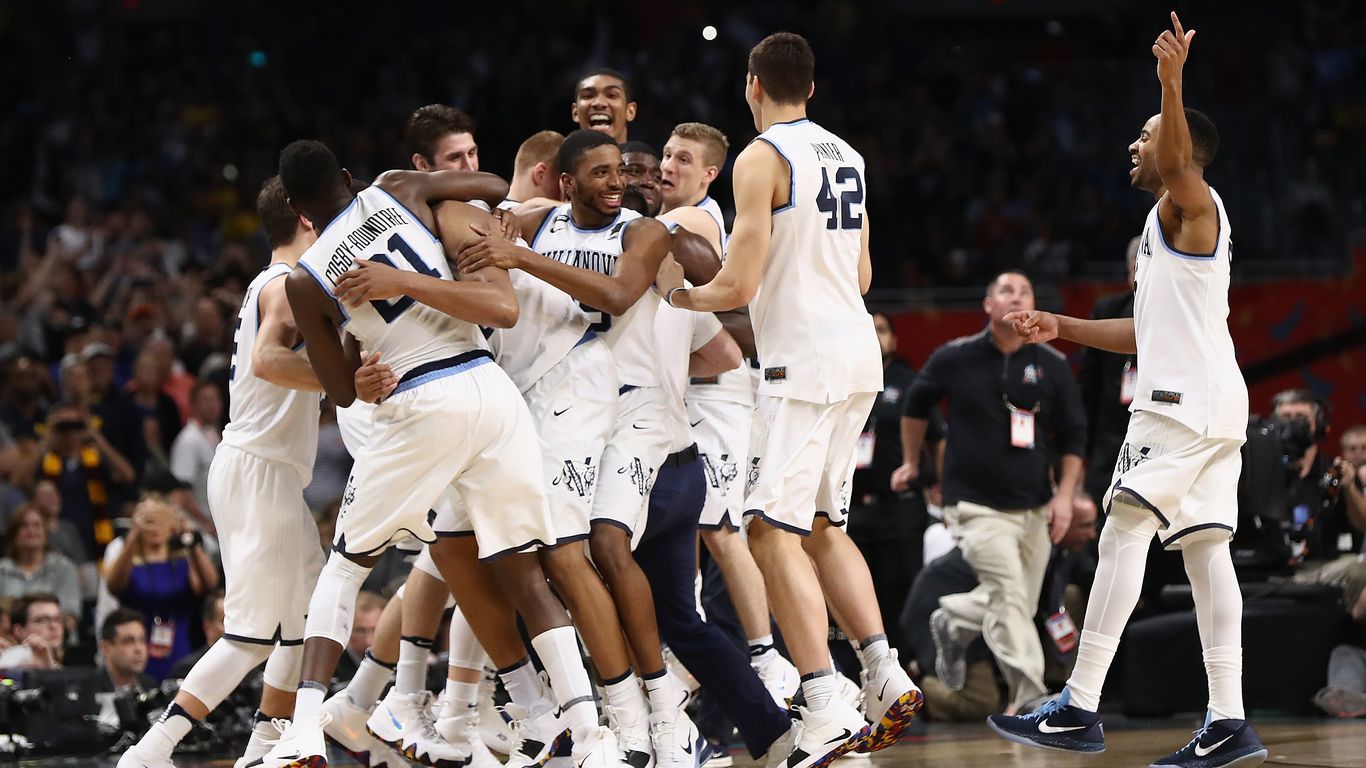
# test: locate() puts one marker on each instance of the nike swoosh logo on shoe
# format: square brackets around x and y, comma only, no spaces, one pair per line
[1044,727]
[883,693]
[687,749]
[1201,751]
[845,737]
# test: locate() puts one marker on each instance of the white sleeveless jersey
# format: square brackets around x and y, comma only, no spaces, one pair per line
[405,333]
[549,325]
[630,336]
[814,337]
[713,209]
[267,420]
[1186,364]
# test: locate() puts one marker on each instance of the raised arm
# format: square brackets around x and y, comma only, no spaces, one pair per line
[1187,194]
[318,317]
[483,297]
[273,358]
[646,243]
[759,169]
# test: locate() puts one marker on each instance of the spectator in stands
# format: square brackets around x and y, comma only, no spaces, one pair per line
[62,534]
[369,605]
[1012,465]
[10,495]
[121,421]
[160,416]
[31,567]
[205,335]
[162,571]
[24,404]
[6,627]
[123,647]
[1107,381]
[212,623]
[88,472]
[192,451]
[39,634]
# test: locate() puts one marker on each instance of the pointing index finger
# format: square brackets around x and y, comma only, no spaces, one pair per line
[1176,24]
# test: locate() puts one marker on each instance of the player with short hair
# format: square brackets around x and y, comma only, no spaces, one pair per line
[439,136]
[798,255]
[607,259]
[255,486]
[1177,474]
[720,409]
[602,102]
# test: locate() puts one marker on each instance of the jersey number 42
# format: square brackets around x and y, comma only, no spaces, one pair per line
[840,209]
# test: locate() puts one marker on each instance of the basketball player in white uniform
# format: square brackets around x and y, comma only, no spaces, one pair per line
[438,137]
[720,409]
[567,375]
[1177,474]
[798,255]
[454,419]
[607,259]
[256,487]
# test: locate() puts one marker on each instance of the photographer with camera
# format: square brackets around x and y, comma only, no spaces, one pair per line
[87,470]
[163,572]
[1323,497]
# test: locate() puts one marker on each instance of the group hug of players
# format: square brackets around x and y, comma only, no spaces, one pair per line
[549,390]
[554,385]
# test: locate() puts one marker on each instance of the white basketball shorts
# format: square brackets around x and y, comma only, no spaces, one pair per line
[802,459]
[1189,481]
[630,462]
[721,430]
[463,427]
[270,548]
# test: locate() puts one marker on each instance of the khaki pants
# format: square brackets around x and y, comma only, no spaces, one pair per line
[1009,552]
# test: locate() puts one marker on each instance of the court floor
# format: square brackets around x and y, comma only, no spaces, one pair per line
[1310,743]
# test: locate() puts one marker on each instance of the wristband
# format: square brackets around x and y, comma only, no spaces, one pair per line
[669,297]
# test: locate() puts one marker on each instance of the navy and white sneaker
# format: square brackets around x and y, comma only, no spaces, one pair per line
[1218,744]
[1055,725]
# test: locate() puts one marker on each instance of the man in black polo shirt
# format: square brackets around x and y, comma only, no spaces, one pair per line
[888,526]
[1014,458]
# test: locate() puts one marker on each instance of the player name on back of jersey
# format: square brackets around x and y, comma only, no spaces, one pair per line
[370,230]
[827,150]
